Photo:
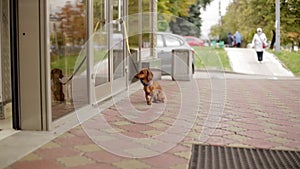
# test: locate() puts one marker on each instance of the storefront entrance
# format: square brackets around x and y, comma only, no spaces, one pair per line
[60,56]
[89,52]
[6,125]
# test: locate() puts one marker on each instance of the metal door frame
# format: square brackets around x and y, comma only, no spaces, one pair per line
[29,65]
[112,87]
[39,115]
[14,65]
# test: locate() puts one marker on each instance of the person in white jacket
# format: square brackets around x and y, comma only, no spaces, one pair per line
[258,42]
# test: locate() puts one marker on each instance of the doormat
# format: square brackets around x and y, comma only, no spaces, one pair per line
[220,157]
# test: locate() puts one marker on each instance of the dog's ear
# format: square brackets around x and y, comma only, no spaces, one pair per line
[60,74]
[52,73]
[149,75]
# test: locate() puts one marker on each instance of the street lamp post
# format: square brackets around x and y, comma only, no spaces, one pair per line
[277,9]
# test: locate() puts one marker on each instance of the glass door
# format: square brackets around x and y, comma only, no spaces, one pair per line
[5,73]
[101,76]
[118,47]
[109,49]
[68,55]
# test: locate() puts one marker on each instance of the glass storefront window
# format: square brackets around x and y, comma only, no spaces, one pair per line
[5,69]
[68,35]
[100,41]
[117,40]
[101,59]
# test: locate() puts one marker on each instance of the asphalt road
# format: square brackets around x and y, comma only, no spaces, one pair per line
[244,60]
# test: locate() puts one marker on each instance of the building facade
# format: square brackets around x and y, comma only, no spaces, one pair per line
[96,45]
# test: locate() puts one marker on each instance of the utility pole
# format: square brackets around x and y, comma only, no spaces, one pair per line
[220,12]
[219,18]
[277,25]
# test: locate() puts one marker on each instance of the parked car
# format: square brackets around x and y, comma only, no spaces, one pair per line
[193,41]
[166,42]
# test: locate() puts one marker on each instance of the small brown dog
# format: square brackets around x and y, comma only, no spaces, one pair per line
[57,85]
[153,90]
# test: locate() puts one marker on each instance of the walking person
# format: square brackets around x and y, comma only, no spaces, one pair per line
[238,39]
[259,42]
[230,39]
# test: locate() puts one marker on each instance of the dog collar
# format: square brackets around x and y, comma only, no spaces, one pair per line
[146,84]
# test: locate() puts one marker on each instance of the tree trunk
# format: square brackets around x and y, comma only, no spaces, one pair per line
[273,39]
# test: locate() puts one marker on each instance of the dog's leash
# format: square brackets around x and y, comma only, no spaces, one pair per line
[128,49]
[127,44]
[76,70]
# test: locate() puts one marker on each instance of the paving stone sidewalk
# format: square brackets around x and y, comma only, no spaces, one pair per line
[258,113]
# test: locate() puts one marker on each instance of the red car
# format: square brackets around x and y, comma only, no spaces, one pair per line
[193,41]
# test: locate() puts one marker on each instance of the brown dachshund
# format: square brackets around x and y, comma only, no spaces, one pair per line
[57,85]
[153,90]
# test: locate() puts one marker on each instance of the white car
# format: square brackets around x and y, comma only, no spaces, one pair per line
[166,42]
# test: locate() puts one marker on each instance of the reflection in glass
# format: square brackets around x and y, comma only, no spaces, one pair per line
[68,28]
[117,40]
[101,59]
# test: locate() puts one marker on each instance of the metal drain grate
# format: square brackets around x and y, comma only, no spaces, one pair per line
[218,157]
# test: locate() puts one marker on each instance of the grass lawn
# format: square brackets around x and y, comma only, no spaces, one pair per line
[290,59]
[211,58]
[65,63]
[68,63]
[205,58]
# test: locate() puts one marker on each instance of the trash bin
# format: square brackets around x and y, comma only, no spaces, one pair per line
[221,44]
[182,64]
[214,43]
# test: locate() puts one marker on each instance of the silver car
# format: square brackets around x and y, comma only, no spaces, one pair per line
[166,42]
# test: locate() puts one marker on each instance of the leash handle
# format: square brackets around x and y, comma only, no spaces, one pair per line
[127,42]
[126,35]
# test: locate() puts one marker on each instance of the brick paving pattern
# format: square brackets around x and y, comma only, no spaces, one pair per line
[257,113]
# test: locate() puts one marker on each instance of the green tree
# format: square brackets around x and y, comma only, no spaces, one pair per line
[174,7]
[290,21]
[246,15]
[72,20]
[183,24]
[189,24]
[99,14]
